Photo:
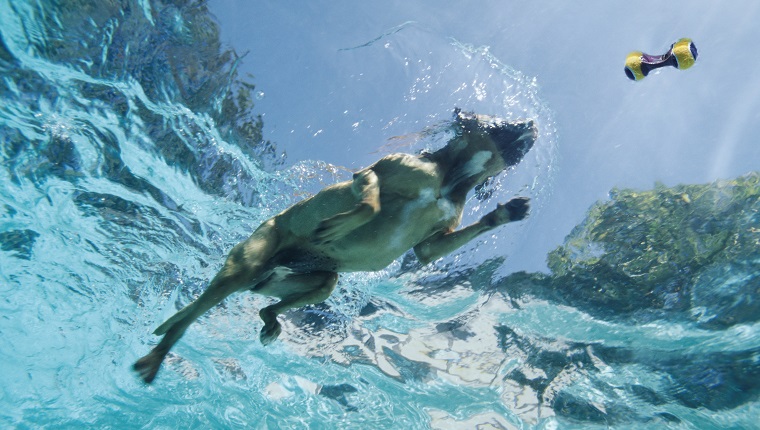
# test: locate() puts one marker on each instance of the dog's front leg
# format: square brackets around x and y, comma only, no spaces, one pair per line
[443,243]
[366,188]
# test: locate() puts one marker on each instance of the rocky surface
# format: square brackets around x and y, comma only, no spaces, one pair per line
[662,274]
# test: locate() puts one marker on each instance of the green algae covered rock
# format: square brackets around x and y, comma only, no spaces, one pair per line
[690,248]
[688,254]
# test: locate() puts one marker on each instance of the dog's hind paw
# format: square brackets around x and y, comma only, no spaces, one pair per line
[270,332]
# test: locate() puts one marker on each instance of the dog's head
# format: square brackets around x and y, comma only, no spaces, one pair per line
[483,147]
[512,139]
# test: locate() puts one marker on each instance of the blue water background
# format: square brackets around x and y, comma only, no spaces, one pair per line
[123,188]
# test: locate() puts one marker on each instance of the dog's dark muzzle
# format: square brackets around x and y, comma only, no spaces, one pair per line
[514,139]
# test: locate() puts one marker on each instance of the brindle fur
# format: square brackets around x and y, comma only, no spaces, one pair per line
[402,201]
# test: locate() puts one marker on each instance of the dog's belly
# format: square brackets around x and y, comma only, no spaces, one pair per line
[401,224]
[306,259]
[393,231]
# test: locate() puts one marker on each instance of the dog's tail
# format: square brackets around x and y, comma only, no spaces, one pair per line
[243,267]
[173,329]
[163,328]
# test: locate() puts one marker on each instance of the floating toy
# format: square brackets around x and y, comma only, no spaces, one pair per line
[681,55]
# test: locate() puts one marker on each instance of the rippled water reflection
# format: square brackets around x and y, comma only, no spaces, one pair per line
[133,160]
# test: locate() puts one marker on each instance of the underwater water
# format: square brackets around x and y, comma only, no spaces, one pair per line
[137,150]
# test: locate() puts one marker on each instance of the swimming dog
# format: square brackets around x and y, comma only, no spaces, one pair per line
[399,203]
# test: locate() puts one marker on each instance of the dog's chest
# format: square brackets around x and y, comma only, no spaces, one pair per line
[428,207]
[447,208]
[418,217]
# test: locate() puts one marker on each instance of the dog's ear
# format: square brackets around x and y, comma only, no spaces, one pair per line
[460,115]
[466,121]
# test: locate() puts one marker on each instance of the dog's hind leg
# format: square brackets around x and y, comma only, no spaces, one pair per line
[246,264]
[295,291]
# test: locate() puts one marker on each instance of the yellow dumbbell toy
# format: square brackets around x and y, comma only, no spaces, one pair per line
[681,55]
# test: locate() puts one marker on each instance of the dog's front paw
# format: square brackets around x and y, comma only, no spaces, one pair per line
[514,210]
[518,208]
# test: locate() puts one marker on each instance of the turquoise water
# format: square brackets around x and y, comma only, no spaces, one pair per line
[134,159]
